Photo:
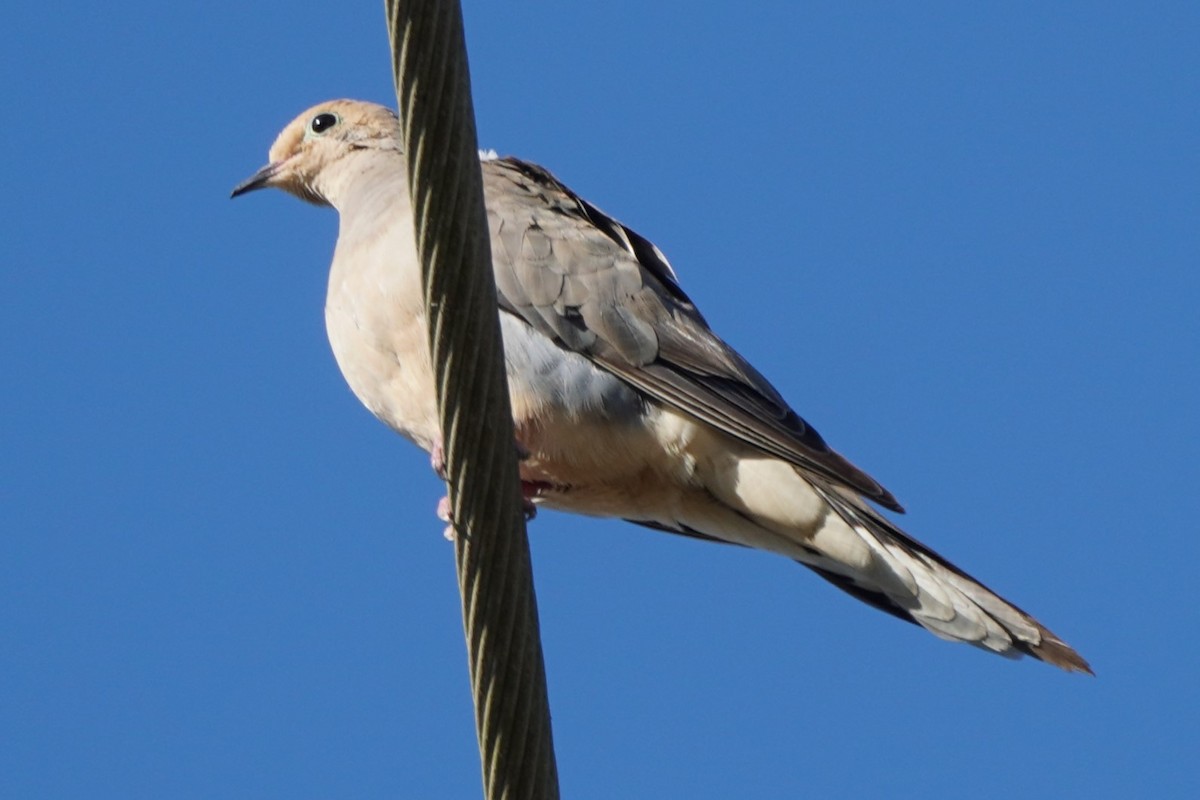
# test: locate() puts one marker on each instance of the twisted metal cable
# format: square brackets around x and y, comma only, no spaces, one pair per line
[508,679]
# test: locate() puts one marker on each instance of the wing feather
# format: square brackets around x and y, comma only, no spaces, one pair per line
[598,288]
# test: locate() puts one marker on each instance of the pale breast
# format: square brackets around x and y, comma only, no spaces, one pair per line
[375,321]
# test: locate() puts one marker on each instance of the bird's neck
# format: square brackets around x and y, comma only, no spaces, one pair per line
[367,184]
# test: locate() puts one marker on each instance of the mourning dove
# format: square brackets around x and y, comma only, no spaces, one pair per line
[625,402]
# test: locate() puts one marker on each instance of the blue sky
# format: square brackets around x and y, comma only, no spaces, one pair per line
[962,240]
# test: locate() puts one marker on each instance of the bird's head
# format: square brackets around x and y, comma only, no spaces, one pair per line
[313,146]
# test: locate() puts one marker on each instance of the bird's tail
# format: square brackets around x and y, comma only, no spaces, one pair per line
[916,584]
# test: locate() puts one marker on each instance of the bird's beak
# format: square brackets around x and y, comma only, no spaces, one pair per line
[259,180]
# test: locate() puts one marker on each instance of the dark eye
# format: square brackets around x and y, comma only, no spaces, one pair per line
[323,122]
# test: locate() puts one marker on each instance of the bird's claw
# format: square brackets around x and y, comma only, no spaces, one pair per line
[437,459]
[529,489]
[445,511]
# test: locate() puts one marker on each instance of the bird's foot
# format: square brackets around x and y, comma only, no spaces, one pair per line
[446,514]
[437,460]
[529,490]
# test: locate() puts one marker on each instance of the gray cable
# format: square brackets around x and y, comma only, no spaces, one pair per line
[508,678]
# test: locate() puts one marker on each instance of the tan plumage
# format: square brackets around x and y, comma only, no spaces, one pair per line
[627,403]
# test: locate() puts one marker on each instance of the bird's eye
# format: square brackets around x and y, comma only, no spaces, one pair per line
[322,122]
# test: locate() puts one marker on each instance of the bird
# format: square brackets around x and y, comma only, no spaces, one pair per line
[625,403]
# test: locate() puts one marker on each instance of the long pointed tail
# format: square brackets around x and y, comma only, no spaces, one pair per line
[922,587]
